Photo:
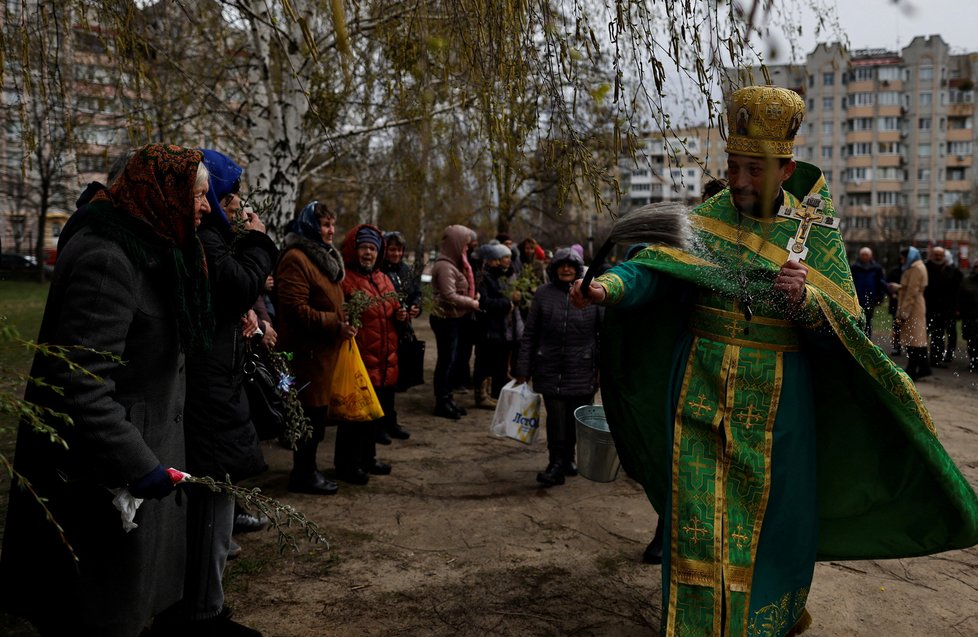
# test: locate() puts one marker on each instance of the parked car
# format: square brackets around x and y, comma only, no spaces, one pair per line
[22,263]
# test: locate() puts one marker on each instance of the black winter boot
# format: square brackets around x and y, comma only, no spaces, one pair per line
[443,408]
[553,474]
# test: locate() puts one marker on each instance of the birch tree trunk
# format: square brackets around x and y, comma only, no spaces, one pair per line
[277,106]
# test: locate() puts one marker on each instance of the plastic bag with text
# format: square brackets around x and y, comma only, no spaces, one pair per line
[517,413]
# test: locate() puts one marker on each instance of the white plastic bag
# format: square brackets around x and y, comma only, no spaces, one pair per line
[517,413]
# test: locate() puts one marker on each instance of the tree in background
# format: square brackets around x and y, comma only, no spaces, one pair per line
[500,113]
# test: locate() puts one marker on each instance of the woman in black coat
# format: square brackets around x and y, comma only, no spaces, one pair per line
[559,352]
[129,282]
[495,308]
[221,439]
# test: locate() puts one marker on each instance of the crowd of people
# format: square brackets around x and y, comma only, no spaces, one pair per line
[164,281]
[716,356]
[927,298]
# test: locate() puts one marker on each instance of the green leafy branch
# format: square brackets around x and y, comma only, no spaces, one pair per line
[282,517]
[359,302]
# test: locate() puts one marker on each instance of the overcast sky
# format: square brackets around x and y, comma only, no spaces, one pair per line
[885,24]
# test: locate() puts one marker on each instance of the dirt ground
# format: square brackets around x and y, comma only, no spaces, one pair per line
[460,540]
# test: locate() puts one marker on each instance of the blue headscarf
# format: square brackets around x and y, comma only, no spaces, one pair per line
[913,254]
[225,178]
[307,224]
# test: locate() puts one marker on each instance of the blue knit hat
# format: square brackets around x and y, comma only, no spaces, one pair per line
[366,234]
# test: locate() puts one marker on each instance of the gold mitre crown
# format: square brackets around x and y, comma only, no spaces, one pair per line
[763,121]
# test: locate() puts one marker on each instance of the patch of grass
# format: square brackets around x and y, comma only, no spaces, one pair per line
[21,308]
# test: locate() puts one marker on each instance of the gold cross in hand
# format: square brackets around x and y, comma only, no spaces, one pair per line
[809,213]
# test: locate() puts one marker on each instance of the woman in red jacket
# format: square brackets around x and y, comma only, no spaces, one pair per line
[356,454]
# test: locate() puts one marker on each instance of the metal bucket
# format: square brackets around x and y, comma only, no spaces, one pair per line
[597,457]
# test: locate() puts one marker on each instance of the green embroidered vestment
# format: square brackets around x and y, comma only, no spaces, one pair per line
[768,443]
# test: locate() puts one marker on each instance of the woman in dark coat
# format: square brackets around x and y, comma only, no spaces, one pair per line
[313,326]
[492,323]
[559,352]
[221,439]
[129,282]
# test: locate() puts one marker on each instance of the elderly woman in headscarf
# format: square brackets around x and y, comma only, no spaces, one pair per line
[221,438]
[559,352]
[128,299]
[312,325]
[453,285]
[911,312]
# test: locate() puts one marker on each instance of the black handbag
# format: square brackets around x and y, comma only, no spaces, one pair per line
[410,362]
[264,399]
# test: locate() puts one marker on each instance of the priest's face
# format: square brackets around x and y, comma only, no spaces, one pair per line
[756,181]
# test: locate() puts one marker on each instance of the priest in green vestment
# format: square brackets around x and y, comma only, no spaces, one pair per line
[766,429]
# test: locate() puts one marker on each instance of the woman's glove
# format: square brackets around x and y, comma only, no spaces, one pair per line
[156,485]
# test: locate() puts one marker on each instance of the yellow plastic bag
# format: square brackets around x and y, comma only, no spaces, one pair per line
[353,397]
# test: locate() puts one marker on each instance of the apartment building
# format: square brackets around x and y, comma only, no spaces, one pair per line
[54,145]
[893,132]
[671,166]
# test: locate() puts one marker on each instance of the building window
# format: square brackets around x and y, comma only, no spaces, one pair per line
[889,73]
[959,148]
[890,148]
[959,123]
[828,79]
[92,164]
[862,148]
[857,175]
[889,123]
[828,103]
[926,98]
[865,73]
[827,129]
[957,174]
[923,174]
[890,173]
[861,123]
[889,98]
[887,198]
[923,123]
[923,150]
[862,99]
[954,197]
[926,73]
[956,96]
[923,225]
[923,200]
[826,152]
